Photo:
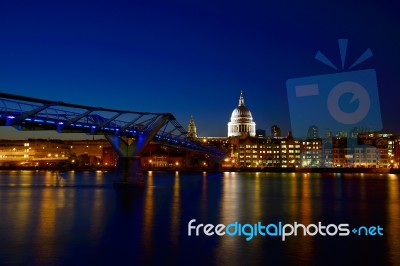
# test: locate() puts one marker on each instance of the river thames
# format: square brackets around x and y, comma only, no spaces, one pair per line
[78,218]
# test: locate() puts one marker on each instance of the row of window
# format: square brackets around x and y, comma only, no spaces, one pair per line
[275,156]
[269,151]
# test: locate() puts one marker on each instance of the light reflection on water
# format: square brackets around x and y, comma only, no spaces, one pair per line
[86,221]
[393,226]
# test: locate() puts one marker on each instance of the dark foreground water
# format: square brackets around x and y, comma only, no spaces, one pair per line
[78,218]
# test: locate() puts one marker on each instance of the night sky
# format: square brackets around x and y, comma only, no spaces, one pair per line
[192,57]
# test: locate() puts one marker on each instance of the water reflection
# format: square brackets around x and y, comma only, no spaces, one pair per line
[229,213]
[257,199]
[393,226]
[94,224]
[148,214]
[175,209]
[46,224]
[304,243]
[204,197]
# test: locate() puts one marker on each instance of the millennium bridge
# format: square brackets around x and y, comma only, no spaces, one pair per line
[127,131]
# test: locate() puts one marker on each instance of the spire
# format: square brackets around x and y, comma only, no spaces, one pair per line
[191,129]
[241,99]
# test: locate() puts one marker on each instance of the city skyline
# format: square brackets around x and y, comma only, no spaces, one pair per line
[190,58]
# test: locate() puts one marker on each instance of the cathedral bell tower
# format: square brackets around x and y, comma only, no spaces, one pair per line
[192,134]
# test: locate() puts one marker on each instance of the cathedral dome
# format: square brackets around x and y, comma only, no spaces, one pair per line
[241,114]
[241,120]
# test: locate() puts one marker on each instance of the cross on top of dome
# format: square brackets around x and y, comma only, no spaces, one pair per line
[241,99]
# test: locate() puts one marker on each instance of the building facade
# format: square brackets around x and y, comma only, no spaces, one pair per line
[33,152]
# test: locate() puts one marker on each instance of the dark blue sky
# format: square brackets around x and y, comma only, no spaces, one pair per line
[192,57]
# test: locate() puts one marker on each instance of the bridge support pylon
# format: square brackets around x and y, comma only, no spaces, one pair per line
[129,169]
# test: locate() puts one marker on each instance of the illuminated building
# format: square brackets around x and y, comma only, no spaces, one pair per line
[191,134]
[395,155]
[311,153]
[40,152]
[110,157]
[289,151]
[265,151]
[368,157]
[241,121]
[367,150]
[87,147]
[33,152]
[341,153]
[374,150]
[248,151]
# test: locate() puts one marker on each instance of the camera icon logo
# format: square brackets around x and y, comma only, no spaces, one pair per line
[339,102]
[359,93]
